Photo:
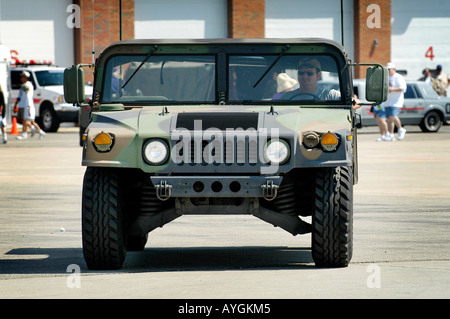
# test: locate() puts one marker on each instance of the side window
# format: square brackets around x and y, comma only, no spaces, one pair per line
[410,92]
[15,80]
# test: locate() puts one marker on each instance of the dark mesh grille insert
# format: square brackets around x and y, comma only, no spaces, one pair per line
[220,121]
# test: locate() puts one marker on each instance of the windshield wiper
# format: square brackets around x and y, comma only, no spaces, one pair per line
[155,47]
[283,51]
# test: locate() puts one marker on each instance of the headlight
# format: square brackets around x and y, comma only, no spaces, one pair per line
[155,151]
[329,142]
[103,142]
[277,152]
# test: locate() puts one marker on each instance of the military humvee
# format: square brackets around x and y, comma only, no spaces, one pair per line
[185,127]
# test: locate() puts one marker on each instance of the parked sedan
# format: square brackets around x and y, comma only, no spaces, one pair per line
[422,106]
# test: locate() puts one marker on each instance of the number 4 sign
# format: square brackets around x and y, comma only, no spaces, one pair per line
[429,53]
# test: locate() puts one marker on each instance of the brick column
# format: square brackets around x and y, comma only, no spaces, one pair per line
[372,33]
[104,28]
[246,18]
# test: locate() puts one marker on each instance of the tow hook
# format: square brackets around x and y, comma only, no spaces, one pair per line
[163,191]
[270,190]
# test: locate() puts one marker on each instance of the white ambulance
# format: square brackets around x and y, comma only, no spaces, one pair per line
[47,79]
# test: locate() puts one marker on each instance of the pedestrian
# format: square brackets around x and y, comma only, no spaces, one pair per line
[394,102]
[26,112]
[442,81]
[380,116]
[3,117]
[427,78]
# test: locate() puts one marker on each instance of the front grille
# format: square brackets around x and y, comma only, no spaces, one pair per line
[236,150]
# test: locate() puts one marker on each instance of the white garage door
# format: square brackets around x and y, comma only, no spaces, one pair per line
[37,30]
[158,19]
[313,19]
[420,35]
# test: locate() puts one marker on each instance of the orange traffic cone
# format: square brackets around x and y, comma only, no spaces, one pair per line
[14,130]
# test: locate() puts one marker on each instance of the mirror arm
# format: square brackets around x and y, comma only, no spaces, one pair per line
[77,67]
[365,64]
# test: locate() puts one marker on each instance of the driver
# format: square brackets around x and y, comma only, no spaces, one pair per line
[309,72]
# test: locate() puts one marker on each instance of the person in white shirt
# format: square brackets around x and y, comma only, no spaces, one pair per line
[27,113]
[394,102]
[427,77]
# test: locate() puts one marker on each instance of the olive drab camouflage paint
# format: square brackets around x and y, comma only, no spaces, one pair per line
[182,127]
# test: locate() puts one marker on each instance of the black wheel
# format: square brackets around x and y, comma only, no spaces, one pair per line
[48,120]
[102,219]
[332,222]
[432,122]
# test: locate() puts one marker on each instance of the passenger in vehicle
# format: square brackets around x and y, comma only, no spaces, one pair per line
[284,84]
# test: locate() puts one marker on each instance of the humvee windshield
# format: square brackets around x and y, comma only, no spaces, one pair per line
[250,79]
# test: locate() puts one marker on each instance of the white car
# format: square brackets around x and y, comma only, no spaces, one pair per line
[51,109]
[422,106]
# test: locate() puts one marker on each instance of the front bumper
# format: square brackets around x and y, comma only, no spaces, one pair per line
[216,186]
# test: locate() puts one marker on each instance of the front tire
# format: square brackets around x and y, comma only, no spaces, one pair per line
[103,233]
[48,120]
[332,222]
[432,122]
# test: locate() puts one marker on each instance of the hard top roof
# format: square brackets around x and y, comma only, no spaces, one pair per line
[226,41]
[141,46]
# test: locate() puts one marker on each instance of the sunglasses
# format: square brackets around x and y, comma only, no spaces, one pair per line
[310,73]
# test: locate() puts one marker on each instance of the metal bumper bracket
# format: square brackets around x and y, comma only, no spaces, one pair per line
[270,190]
[163,191]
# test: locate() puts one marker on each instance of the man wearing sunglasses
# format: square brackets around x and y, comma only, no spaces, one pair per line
[309,72]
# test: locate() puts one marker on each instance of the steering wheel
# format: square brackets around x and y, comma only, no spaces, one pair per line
[315,97]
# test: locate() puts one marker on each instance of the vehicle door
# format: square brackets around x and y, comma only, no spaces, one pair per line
[413,107]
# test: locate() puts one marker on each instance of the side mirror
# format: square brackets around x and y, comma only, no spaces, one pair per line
[74,85]
[377,84]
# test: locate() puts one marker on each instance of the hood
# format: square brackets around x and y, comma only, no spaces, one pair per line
[134,126]
[154,121]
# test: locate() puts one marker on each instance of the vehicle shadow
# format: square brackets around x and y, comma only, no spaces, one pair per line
[218,258]
[57,260]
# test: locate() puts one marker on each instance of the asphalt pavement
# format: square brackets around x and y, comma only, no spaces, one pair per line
[401,234]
